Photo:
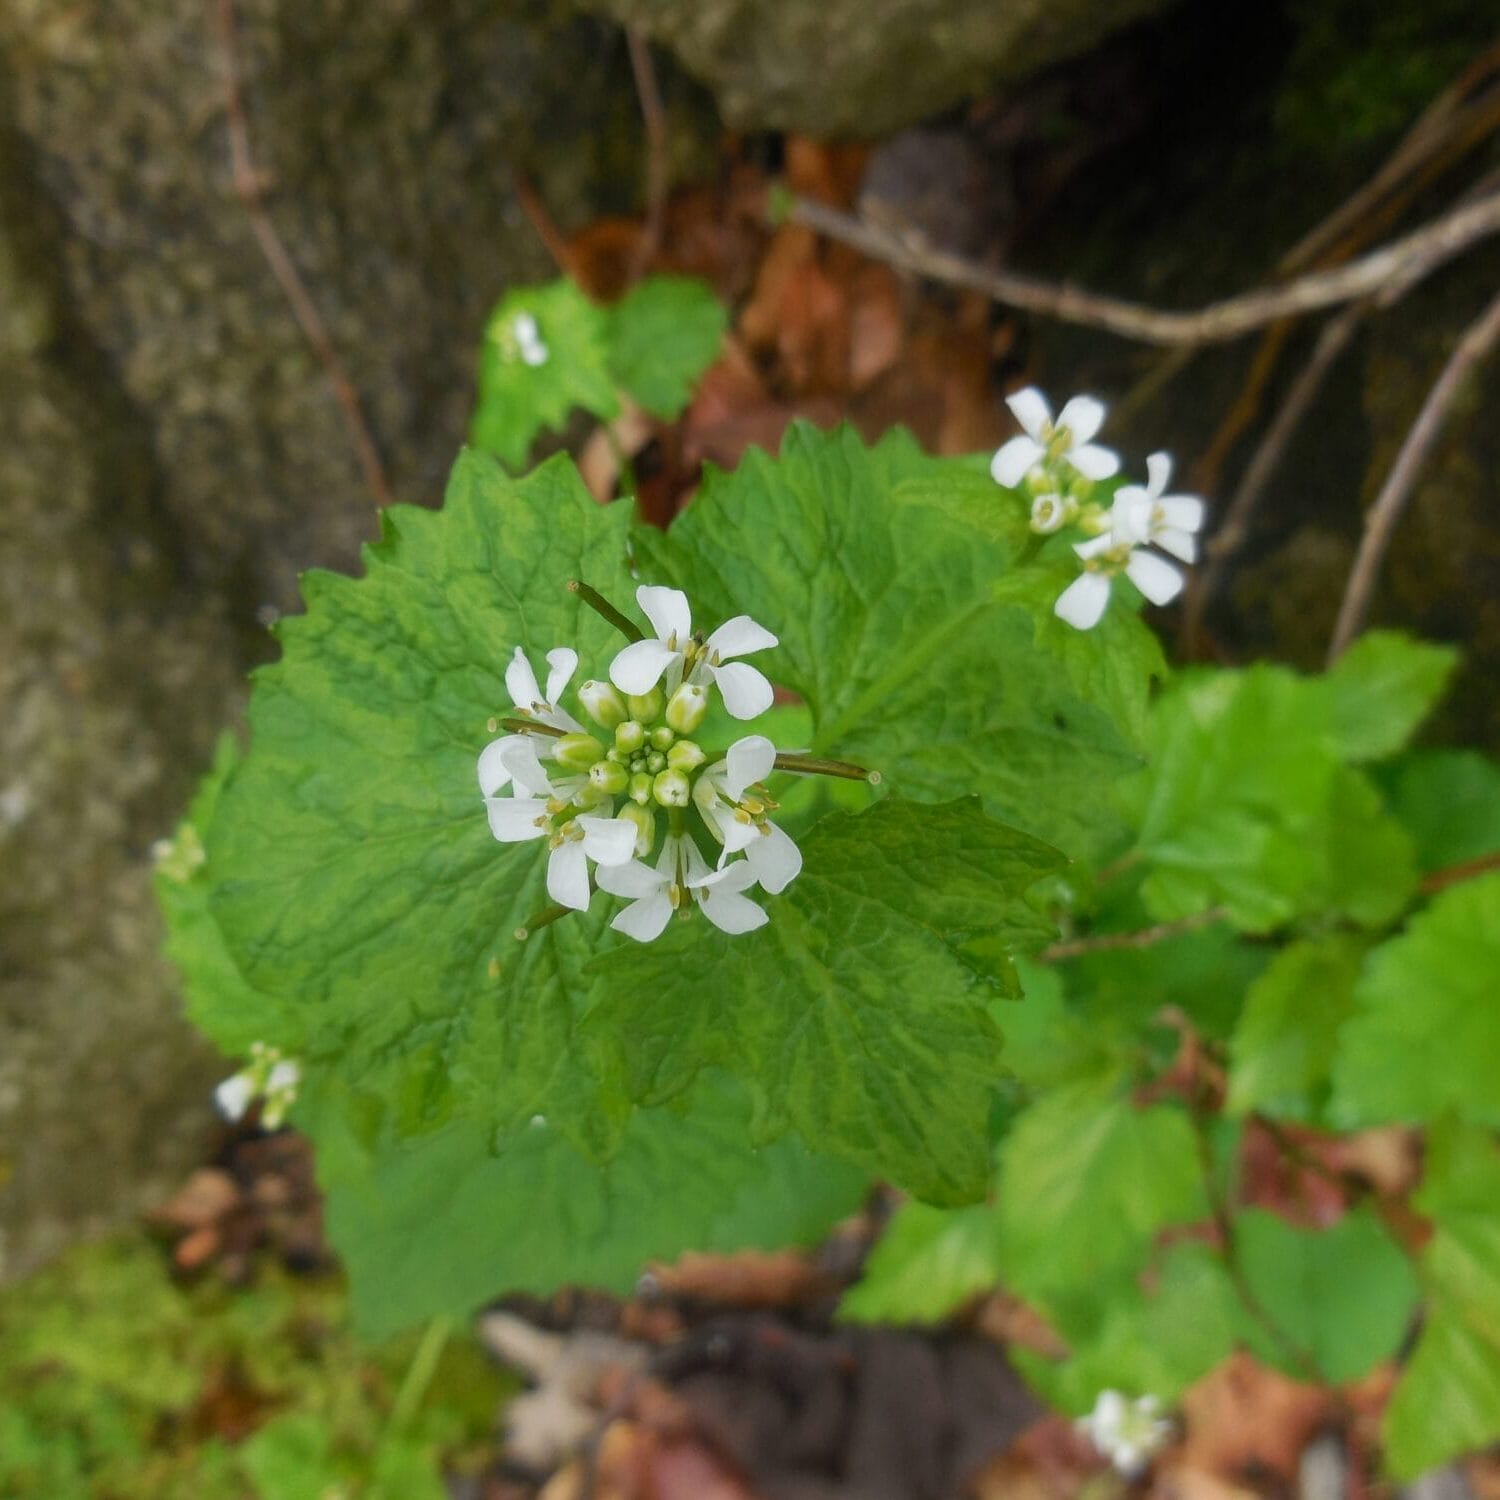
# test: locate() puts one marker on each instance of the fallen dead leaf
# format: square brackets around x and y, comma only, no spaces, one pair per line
[748,1278]
[1242,1417]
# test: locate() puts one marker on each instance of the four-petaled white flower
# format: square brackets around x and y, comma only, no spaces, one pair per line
[526,695]
[737,817]
[676,655]
[574,840]
[1148,514]
[1043,440]
[1127,1432]
[267,1076]
[654,894]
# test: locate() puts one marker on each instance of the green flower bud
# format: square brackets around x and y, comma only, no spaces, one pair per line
[662,737]
[640,787]
[609,777]
[672,789]
[602,703]
[688,708]
[656,761]
[646,706]
[685,755]
[577,751]
[630,735]
[587,796]
[644,819]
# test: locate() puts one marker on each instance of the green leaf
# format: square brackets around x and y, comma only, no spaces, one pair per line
[1448,1400]
[1247,805]
[517,401]
[849,1014]
[353,870]
[1087,1180]
[927,1262]
[1450,802]
[1344,1295]
[1153,1335]
[1382,688]
[1423,1039]
[441,1224]
[662,336]
[906,647]
[1283,1048]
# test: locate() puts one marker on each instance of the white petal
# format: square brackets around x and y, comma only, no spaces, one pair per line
[638,668]
[668,611]
[609,841]
[560,718]
[1083,416]
[1094,462]
[1095,545]
[1109,1411]
[568,875]
[232,1097]
[1154,576]
[739,637]
[562,662]
[520,681]
[1158,474]
[1013,459]
[1130,516]
[747,692]
[775,859]
[522,759]
[736,877]
[631,879]
[513,820]
[1031,409]
[1082,602]
[1182,511]
[732,913]
[493,772]
[695,867]
[645,920]
[285,1075]
[1181,544]
[1128,1459]
[750,759]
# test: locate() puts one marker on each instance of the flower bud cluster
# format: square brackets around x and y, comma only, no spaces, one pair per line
[268,1076]
[638,784]
[1056,466]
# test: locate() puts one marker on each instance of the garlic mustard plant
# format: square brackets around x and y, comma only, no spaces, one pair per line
[1127,1432]
[267,1076]
[1044,443]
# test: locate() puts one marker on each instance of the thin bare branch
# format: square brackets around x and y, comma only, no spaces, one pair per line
[1425,248]
[655,117]
[1469,869]
[1146,937]
[249,187]
[1380,521]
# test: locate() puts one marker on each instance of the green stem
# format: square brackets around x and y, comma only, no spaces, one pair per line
[601,606]
[816,765]
[544,918]
[419,1373]
[530,726]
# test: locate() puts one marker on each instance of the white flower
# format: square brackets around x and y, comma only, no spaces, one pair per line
[738,818]
[677,655]
[682,875]
[1147,514]
[1042,440]
[526,695]
[573,840]
[1049,513]
[528,339]
[1127,1432]
[268,1075]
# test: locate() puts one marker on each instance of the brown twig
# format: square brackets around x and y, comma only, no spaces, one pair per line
[1425,248]
[1147,937]
[1469,869]
[1380,521]
[553,241]
[657,160]
[249,187]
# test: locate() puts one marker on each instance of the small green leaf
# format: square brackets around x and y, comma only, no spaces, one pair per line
[1423,1038]
[518,400]
[1345,1295]
[1448,1400]
[662,336]
[1283,1048]
[1449,800]
[1087,1180]
[928,1262]
[1382,688]
[849,1014]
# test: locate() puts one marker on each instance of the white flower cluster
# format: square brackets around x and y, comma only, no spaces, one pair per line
[1056,464]
[607,804]
[267,1076]
[1128,1433]
[520,338]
